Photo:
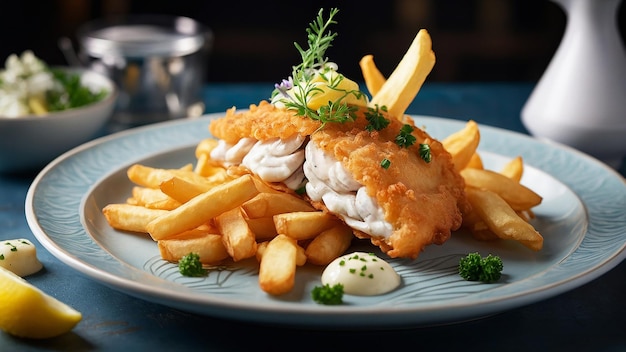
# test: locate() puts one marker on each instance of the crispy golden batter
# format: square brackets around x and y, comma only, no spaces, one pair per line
[263,122]
[422,201]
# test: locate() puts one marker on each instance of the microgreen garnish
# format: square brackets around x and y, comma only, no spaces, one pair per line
[376,119]
[385,163]
[425,152]
[404,138]
[296,92]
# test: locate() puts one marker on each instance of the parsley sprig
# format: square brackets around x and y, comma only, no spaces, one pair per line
[404,138]
[376,119]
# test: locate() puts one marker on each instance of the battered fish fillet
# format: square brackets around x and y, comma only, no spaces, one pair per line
[422,202]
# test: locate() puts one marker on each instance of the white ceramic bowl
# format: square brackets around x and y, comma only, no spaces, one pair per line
[28,143]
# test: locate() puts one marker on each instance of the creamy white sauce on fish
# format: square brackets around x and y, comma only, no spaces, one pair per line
[274,160]
[232,154]
[363,274]
[330,182]
[278,160]
[19,256]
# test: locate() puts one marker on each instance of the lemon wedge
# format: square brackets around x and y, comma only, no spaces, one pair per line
[26,311]
[37,105]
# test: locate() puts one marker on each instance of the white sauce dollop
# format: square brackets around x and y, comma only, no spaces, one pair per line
[19,256]
[363,274]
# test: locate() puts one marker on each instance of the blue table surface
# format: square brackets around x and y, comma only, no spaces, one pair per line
[590,317]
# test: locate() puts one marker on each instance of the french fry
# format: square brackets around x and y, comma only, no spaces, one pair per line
[301,258]
[303,225]
[206,168]
[518,196]
[263,186]
[277,270]
[400,89]
[477,227]
[269,204]
[475,162]
[205,146]
[147,176]
[374,79]
[207,245]
[128,217]
[462,144]
[151,177]
[502,219]
[484,234]
[153,198]
[202,164]
[239,240]
[203,207]
[182,190]
[514,169]
[263,228]
[329,245]
[260,249]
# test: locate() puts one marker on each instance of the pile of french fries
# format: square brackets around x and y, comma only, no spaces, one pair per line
[501,207]
[229,214]
[220,215]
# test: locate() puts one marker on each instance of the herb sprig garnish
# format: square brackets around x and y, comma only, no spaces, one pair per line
[376,119]
[315,64]
[404,138]
[425,152]
[319,39]
[316,75]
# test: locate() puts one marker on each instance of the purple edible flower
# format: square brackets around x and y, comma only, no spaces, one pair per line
[283,87]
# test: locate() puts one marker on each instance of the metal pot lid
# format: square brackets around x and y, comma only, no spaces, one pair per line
[144,36]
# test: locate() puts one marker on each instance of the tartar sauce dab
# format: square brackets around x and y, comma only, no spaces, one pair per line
[19,256]
[363,274]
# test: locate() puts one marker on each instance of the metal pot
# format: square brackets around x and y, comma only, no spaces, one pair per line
[158,62]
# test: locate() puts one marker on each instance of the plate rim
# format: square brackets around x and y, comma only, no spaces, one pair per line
[229,309]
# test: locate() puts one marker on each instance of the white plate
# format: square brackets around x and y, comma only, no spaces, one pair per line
[582,218]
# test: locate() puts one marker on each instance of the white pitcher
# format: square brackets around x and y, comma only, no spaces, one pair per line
[581,98]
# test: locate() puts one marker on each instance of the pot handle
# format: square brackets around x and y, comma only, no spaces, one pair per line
[67,49]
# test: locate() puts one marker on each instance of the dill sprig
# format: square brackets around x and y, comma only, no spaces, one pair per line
[314,62]
[319,39]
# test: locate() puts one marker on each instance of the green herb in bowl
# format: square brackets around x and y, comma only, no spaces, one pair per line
[73,94]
